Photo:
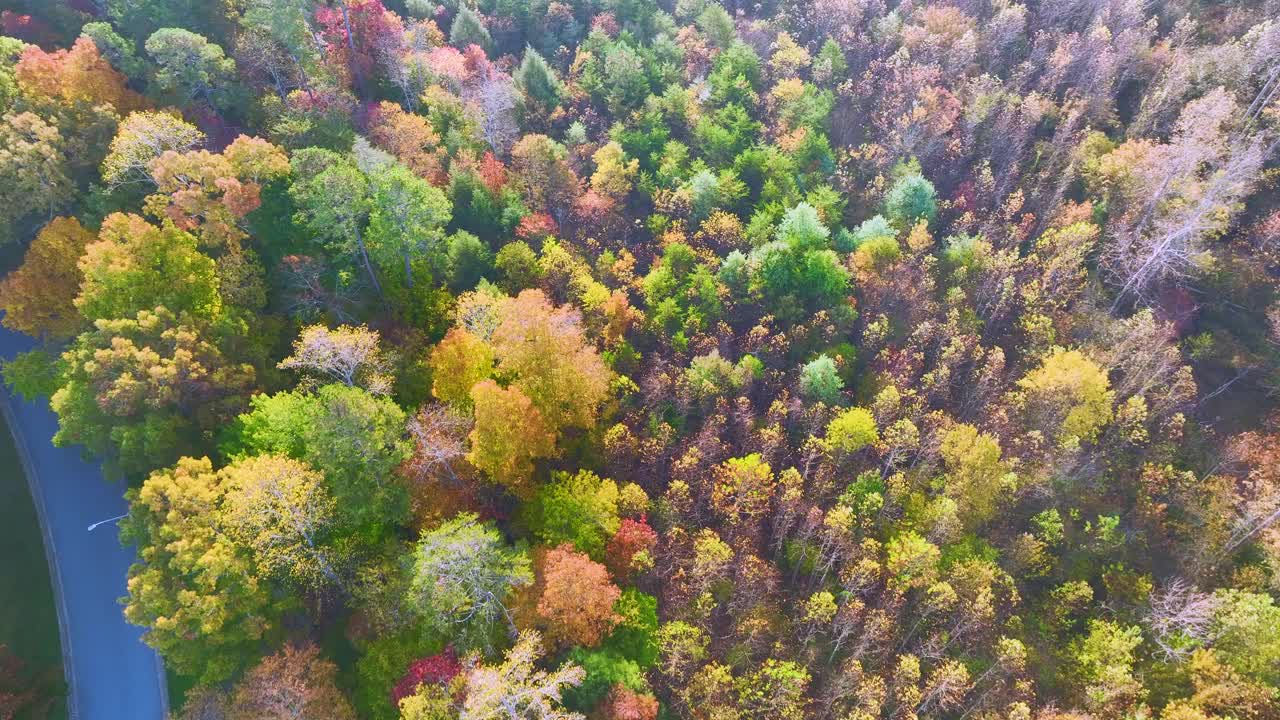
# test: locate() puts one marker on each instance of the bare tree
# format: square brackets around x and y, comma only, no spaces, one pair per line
[1180,619]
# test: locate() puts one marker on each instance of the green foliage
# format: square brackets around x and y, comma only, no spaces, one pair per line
[537,80]
[32,375]
[467,29]
[356,439]
[910,200]
[1247,632]
[820,381]
[604,670]
[580,509]
[469,260]
[635,637]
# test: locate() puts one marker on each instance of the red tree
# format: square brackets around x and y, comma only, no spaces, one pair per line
[438,669]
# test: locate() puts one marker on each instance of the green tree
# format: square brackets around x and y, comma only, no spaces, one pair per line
[538,81]
[332,197]
[463,576]
[467,30]
[820,380]
[910,200]
[190,67]
[579,508]
[356,439]
[406,222]
[1247,630]
[137,266]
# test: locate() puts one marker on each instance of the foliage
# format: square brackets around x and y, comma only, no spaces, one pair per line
[463,573]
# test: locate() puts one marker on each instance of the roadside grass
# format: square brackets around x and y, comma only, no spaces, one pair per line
[28,615]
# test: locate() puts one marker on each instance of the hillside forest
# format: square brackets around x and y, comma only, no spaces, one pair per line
[639,359]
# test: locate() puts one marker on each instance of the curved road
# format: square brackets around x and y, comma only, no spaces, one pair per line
[112,675]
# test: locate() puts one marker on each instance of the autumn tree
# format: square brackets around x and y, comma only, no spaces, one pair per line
[517,689]
[542,174]
[576,605]
[505,450]
[1068,393]
[348,355]
[141,391]
[205,607]
[463,574]
[39,297]
[295,683]
[282,511]
[34,181]
[141,138]
[458,362]
[210,194]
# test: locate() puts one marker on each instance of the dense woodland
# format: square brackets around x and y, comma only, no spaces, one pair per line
[623,359]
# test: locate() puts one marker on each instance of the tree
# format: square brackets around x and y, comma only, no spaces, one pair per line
[292,684]
[468,261]
[614,175]
[34,179]
[463,574]
[140,139]
[538,81]
[406,222]
[1105,663]
[191,67]
[136,266]
[437,670]
[356,439]
[409,137]
[910,200]
[349,355]
[776,690]
[577,600]
[976,478]
[743,489]
[210,194]
[39,297]
[820,381]
[1246,629]
[145,390]
[332,197]
[281,510]
[458,362]
[75,76]
[1067,392]
[545,349]
[852,430]
[205,608]
[630,549]
[115,49]
[517,689]
[503,449]
[468,30]
[542,174]
[580,509]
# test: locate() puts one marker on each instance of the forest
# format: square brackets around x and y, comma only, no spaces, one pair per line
[666,359]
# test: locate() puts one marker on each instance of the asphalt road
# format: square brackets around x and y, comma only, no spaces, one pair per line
[111,673]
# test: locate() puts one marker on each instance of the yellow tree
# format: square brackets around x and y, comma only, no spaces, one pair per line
[38,298]
[196,591]
[509,434]
[1069,393]
[281,509]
